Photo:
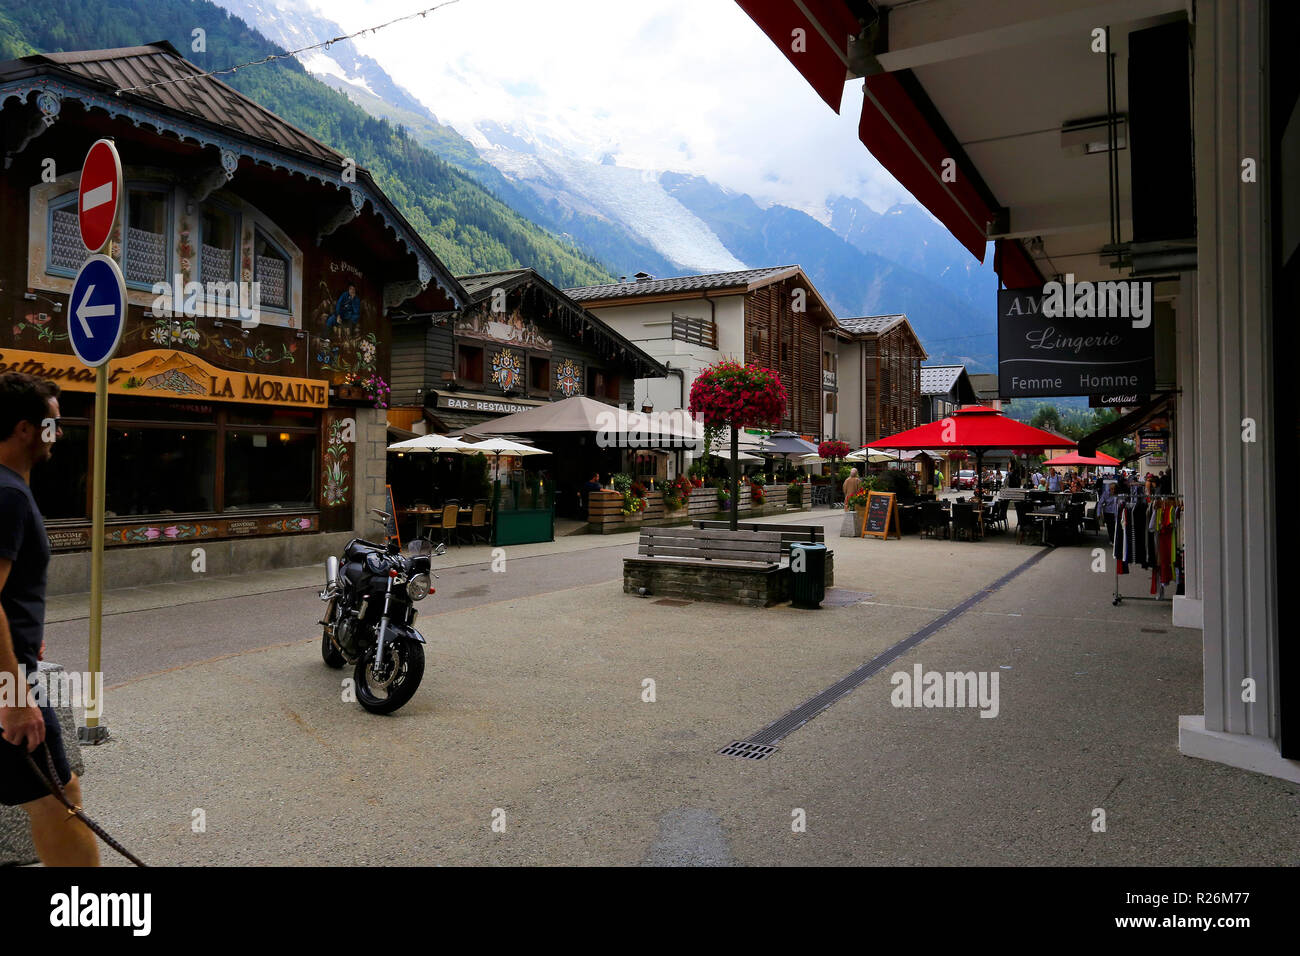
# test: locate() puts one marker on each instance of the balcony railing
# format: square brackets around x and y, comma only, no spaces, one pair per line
[688,328]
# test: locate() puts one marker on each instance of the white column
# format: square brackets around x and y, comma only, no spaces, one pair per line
[1233,509]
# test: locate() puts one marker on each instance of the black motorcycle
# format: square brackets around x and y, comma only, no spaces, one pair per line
[369,622]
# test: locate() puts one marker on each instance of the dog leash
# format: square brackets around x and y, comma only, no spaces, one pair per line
[51,781]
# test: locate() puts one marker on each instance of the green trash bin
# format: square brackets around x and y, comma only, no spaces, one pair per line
[808,570]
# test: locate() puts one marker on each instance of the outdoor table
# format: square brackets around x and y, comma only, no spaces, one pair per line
[420,515]
[1047,517]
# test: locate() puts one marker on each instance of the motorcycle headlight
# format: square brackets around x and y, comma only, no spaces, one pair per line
[417,589]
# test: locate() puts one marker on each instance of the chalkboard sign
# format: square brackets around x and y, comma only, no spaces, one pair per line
[880,516]
[392,521]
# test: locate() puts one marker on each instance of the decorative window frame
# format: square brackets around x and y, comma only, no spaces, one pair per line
[234,212]
[182,217]
[293,264]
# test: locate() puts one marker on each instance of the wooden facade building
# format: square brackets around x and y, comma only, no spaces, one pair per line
[773,317]
[222,430]
[879,377]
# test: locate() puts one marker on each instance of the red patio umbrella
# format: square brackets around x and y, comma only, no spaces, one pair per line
[1075,459]
[976,428]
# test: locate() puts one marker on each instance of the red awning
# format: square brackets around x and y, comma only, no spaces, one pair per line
[820,52]
[976,427]
[1074,459]
[892,124]
[893,128]
[1015,267]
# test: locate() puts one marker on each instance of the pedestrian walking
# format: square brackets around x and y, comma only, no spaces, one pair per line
[852,484]
[29,417]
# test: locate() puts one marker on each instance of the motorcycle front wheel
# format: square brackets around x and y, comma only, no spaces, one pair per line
[384,690]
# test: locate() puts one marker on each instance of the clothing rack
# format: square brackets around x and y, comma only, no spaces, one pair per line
[1176,557]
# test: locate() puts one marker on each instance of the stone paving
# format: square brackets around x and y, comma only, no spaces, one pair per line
[534,715]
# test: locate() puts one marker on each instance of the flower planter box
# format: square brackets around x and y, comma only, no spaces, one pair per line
[851,527]
[351,395]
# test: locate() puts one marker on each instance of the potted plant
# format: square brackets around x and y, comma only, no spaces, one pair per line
[794,491]
[724,495]
[676,492]
[855,511]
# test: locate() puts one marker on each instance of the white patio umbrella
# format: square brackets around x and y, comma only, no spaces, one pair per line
[499,447]
[740,456]
[430,443]
[869,455]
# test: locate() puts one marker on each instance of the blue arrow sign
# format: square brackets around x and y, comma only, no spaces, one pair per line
[97,311]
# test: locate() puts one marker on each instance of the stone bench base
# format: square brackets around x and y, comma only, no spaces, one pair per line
[752,585]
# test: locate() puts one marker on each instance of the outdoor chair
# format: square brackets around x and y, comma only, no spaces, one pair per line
[1022,518]
[933,519]
[478,524]
[450,512]
[965,521]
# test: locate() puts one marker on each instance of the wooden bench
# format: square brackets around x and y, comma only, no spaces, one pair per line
[711,564]
[712,544]
[701,564]
[790,533]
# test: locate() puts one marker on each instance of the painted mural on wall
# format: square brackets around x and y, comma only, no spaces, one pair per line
[340,319]
[568,378]
[334,475]
[507,369]
[505,328]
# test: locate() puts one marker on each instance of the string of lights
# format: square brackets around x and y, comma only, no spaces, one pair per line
[326,44]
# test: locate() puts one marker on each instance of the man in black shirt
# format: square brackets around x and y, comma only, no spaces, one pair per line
[29,426]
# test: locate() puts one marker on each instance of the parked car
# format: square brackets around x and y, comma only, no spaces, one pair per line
[963,479]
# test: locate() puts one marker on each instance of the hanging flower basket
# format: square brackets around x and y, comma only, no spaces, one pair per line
[730,394]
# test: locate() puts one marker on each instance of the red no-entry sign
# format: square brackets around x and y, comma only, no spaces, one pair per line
[99,194]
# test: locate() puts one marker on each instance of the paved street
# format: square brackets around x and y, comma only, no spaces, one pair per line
[532,707]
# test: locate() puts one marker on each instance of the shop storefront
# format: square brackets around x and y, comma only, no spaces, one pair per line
[240,432]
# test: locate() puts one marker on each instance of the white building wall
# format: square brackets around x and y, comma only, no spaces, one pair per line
[849,425]
[649,325]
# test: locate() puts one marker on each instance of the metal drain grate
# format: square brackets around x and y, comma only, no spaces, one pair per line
[740,748]
[1154,630]
[671,602]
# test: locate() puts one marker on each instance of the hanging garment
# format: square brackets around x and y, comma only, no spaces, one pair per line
[1139,518]
[1123,537]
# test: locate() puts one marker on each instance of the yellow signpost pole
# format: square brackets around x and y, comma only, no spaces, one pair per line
[94,731]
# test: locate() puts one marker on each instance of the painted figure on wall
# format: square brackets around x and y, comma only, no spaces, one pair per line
[347,309]
[342,345]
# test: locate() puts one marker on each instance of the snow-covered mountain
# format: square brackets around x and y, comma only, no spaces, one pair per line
[633,197]
[571,182]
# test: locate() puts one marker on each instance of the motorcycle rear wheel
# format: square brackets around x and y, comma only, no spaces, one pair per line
[328,652]
[408,658]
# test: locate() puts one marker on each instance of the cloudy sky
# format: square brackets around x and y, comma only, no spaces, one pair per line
[686,85]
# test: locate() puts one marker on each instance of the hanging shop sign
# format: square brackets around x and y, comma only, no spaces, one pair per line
[1152,442]
[1086,338]
[483,403]
[165,373]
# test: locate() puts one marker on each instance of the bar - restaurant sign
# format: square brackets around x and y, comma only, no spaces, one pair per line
[166,373]
[1068,338]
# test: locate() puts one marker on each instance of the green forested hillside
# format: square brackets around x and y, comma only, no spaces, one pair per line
[470,229]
